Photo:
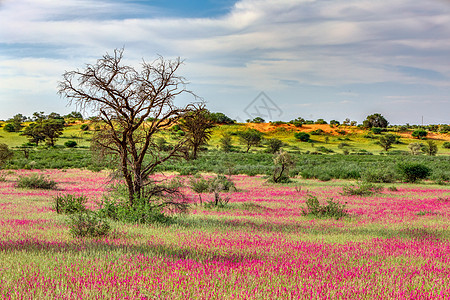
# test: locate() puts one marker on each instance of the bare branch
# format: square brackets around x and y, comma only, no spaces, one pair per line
[133,105]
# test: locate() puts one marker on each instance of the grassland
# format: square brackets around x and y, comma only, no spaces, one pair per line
[394,245]
[354,139]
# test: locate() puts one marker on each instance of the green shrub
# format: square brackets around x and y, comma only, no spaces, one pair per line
[258,120]
[141,212]
[36,181]
[379,175]
[9,128]
[217,185]
[199,185]
[426,213]
[430,148]
[317,132]
[84,127]
[69,204]
[175,128]
[226,142]
[70,144]
[324,149]
[376,130]
[444,128]
[274,145]
[331,209]
[412,172]
[324,177]
[302,136]
[392,188]
[5,154]
[88,224]
[446,145]
[419,133]
[363,189]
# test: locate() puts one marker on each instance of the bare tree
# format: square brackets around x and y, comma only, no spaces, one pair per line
[132,106]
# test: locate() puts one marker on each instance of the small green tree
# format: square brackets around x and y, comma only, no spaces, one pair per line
[335,122]
[220,184]
[250,137]
[74,115]
[33,133]
[15,123]
[220,118]
[283,163]
[225,142]
[214,185]
[5,154]
[258,120]
[198,128]
[430,148]
[199,185]
[298,122]
[375,120]
[274,145]
[320,121]
[386,141]
[419,133]
[444,128]
[46,127]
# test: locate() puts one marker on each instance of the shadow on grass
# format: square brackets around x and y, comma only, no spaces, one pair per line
[88,246]
[318,229]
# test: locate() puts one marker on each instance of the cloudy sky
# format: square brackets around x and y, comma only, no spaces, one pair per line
[331,59]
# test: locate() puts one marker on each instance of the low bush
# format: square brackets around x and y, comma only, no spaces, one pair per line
[70,144]
[157,204]
[84,127]
[317,132]
[302,136]
[69,204]
[141,212]
[376,130]
[379,176]
[324,149]
[363,189]
[36,181]
[446,145]
[412,172]
[88,224]
[332,209]
[392,188]
[324,177]
[419,133]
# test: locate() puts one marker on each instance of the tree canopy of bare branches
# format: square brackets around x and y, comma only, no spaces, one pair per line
[132,106]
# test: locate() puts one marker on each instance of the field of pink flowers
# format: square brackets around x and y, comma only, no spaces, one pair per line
[395,245]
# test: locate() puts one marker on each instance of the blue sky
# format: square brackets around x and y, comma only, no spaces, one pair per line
[313,58]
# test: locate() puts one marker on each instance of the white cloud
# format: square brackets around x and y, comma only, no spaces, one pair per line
[259,44]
